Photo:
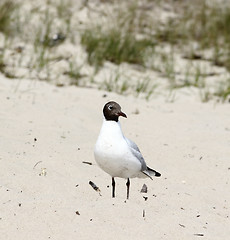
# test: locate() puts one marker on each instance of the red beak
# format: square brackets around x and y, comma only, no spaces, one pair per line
[122,114]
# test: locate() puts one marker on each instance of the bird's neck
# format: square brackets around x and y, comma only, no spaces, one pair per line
[111,128]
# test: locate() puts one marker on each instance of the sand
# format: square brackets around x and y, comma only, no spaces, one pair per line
[46,134]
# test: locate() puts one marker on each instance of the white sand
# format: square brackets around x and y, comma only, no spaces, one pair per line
[187,141]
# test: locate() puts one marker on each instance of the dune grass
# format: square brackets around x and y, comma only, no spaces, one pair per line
[131,34]
[207,25]
[224,91]
[115,46]
[7,8]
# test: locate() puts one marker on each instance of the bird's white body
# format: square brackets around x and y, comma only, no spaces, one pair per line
[113,153]
[117,155]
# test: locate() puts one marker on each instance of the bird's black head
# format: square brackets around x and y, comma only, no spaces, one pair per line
[112,111]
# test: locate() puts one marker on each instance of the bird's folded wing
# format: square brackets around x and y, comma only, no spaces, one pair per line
[136,152]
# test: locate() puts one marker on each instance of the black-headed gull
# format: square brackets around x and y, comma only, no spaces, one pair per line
[116,154]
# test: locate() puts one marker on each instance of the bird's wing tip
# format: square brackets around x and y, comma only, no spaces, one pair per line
[147,174]
[153,172]
[157,174]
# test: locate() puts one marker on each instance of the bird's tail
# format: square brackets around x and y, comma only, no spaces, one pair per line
[150,172]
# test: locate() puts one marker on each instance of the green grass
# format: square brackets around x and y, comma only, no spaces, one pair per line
[74,73]
[224,91]
[114,83]
[205,95]
[192,78]
[206,25]
[115,46]
[44,41]
[3,64]
[64,11]
[7,8]
[130,33]
[144,87]
[123,84]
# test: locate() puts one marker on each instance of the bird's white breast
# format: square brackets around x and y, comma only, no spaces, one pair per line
[112,152]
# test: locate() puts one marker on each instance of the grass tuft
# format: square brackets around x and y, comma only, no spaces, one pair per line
[74,73]
[163,38]
[224,91]
[114,46]
[207,25]
[7,7]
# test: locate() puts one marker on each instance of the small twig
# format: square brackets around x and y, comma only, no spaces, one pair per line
[94,186]
[182,225]
[199,234]
[143,214]
[77,213]
[89,163]
[36,164]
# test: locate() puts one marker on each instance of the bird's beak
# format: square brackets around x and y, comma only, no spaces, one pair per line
[122,114]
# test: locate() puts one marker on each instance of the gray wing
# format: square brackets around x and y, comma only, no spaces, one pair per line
[136,152]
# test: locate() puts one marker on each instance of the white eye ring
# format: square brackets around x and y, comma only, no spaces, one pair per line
[110,107]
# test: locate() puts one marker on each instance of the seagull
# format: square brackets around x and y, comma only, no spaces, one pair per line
[117,155]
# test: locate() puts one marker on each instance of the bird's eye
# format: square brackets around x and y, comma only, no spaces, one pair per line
[110,107]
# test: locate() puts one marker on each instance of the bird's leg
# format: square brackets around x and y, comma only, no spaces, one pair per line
[128,184]
[113,187]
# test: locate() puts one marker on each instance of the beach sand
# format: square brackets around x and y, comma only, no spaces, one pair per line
[48,132]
